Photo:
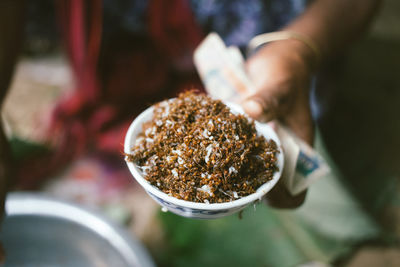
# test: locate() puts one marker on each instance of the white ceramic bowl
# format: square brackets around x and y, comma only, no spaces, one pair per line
[194,209]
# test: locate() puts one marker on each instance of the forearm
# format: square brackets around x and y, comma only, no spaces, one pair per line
[333,24]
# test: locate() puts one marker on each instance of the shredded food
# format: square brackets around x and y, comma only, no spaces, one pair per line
[197,150]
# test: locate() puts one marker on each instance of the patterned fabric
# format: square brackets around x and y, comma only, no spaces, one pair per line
[237,21]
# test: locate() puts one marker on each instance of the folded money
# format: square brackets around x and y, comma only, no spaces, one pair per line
[221,69]
[224,76]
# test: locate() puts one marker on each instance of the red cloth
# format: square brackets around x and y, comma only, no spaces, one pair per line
[134,71]
[116,79]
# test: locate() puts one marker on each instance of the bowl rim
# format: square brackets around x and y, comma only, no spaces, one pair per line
[39,204]
[260,192]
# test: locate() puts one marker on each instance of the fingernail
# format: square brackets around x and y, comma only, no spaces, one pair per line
[252,107]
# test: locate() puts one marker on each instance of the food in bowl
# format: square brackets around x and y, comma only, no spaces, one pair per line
[196,149]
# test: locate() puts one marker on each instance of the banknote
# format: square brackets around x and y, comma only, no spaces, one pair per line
[303,165]
[222,70]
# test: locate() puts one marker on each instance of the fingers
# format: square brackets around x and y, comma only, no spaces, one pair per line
[253,107]
[296,114]
[300,121]
[279,197]
[286,100]
[269,103]
[262,109]
[275,87]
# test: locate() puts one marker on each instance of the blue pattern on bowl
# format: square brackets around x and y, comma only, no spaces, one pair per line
[194,213]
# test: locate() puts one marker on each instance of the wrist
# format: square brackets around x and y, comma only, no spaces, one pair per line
[303,54]
[298,43]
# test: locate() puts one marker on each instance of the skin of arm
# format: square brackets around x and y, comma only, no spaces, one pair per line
[11,26]
[281,71]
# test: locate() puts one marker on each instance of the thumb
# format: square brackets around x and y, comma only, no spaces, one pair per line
[266,105]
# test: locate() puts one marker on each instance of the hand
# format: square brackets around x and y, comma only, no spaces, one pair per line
[281,72]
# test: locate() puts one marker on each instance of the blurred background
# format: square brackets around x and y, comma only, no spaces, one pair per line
[360,129]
